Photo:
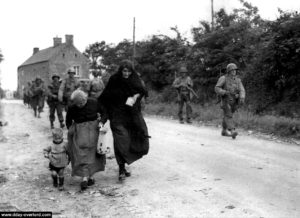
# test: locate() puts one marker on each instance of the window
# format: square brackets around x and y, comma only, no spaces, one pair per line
[76,68]
[75,55]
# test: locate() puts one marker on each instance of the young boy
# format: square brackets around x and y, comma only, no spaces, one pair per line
[57,155]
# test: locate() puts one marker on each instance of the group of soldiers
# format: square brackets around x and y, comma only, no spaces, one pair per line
[230,89]
[58,93]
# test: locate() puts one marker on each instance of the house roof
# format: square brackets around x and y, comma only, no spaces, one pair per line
[43,55]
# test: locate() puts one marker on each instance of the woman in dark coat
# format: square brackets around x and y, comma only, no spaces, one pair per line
[83,131]
[121,98]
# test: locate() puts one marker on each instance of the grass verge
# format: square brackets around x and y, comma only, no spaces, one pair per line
[212,114]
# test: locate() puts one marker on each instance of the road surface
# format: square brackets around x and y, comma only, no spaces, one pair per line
[190,171]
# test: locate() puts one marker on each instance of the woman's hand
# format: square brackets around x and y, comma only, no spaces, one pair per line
[135,97]
[100,125]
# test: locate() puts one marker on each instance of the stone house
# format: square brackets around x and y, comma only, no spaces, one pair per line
[55,59]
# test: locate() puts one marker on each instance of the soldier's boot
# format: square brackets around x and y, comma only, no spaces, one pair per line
[54,178]
[62,125]
[189,120]
[225,132]
[181,121]
[38,115]
[51,125]
[233,133]
[35,113]
[61,183]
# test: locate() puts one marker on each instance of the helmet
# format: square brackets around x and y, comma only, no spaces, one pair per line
[183,69]
[38,78]
[231,67]
[55,75]
[71,70]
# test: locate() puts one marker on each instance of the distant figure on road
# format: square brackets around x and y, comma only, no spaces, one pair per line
[82,123]
[66,88]
[26,94]
[232,93]
[183,85]
[54,103]
[38,96]
[57,155]
[97,86]
[121,97]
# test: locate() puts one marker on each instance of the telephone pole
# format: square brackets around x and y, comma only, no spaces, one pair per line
[212,15]
[133,55]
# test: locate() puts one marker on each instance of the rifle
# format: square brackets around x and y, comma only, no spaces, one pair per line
[193,92]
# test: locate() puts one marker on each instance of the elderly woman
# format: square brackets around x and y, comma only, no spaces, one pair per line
[82,123]
[121,97]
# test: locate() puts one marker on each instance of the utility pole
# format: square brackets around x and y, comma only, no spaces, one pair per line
[212,15]
[133,56]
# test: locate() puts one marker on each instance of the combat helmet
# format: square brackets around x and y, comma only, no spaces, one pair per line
[55,75]
[231,67]
[183,69]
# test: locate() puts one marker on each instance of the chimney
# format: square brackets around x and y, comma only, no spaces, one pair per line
[35,50]
[56,41]
[69,39]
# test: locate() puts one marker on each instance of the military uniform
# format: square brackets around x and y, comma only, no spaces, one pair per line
[232,93]
[54,103]
[66,88]
[96,87]
[183,84]
[38,92]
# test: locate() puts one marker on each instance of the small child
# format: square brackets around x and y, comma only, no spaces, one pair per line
[57,154]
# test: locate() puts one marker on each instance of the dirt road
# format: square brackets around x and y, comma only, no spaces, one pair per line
[191,171]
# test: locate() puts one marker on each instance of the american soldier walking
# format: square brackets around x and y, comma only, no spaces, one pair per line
[54,103]
[184,84]
[66,88]
[38,96]
[232,92]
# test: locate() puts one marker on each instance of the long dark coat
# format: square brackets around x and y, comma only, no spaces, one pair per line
[128,126]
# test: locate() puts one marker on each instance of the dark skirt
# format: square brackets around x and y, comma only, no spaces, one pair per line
[130,142]
[82,139]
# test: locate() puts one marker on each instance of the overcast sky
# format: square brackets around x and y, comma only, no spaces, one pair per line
[26,24]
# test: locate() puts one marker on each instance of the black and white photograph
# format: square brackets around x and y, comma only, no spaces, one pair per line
[150,109]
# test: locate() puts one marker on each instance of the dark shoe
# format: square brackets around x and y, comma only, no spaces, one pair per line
[181,121]
[83,185]
[61,183]
[127,174]
[62,125]
[55,184]
[189,121]
[234,134]
[91,182]
[122,176]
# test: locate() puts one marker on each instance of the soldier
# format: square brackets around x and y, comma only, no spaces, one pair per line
[184,84]
[232,93]
[66,88]
[97,86]
[54,103]
[38,96]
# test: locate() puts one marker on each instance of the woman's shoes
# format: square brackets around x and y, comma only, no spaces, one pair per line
[83,185]
[91,182]
[127,174]
[122,176]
